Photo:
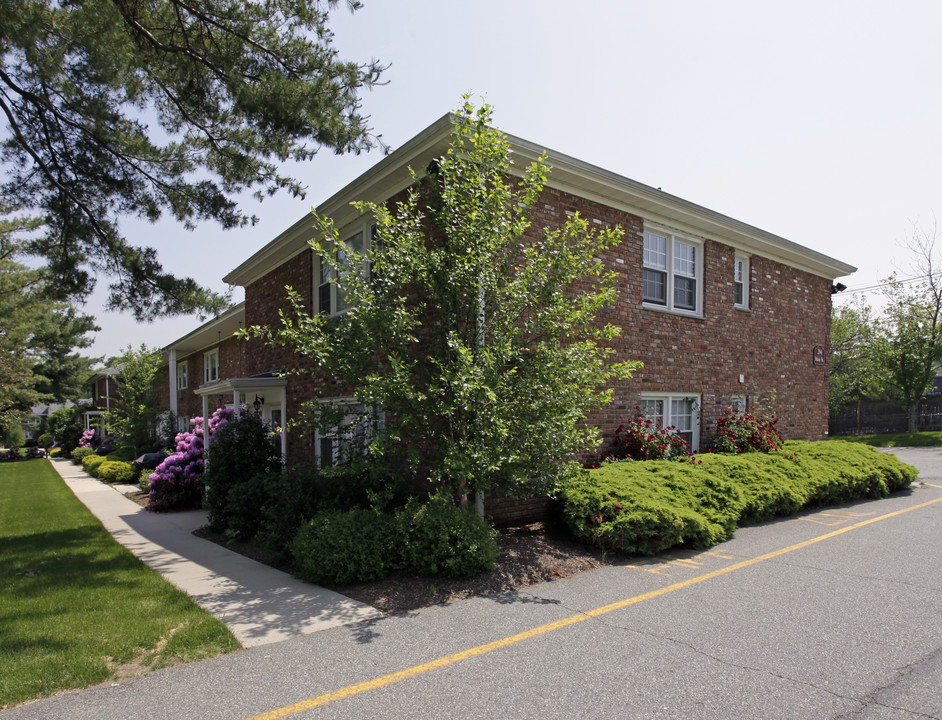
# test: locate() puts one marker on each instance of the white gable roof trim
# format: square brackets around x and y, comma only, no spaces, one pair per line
[391,175]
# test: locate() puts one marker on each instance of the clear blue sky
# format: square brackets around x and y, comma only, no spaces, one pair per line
[818,121]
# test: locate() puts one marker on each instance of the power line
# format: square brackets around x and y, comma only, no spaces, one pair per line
[879,286]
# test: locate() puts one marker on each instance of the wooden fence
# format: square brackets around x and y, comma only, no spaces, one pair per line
[882,417]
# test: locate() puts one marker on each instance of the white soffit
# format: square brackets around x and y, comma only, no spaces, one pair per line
[210,333]
[392,175]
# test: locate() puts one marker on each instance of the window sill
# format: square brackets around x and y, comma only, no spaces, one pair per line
[742,308]
[670,311]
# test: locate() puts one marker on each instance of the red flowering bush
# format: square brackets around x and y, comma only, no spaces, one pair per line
[738,432]
[645,439]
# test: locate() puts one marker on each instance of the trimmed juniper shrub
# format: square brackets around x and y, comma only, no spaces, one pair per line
[649,507]
[90,464]
[116,471]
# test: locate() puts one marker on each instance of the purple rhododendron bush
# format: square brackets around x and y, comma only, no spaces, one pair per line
[177,483]
[89,439]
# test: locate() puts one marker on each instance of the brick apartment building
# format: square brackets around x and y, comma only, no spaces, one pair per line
[721,313]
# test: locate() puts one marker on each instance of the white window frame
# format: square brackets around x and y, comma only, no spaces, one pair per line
[671,415]
[378,425]
[325,285]
[183,376]
[211,366]
[672,266]
[738,404]
[741,280]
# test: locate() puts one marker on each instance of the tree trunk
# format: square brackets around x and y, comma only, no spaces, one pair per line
[913,414]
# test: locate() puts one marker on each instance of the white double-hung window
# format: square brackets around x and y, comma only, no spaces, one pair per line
[211,366]
[183,380]
[330,298]
[741,282]
[673,268]
[348,428]
[682,412]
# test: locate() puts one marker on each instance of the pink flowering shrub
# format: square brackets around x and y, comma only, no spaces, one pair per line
[645,439]
[89,439]
[738,432]
[177,482]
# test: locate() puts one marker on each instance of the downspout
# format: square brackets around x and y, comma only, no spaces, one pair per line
[479,494]
[284,425]
[104,425]
[172,378]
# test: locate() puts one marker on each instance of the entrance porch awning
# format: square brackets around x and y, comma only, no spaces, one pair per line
[270,385]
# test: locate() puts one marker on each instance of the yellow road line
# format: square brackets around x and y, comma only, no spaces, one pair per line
[395,677]
[935,486]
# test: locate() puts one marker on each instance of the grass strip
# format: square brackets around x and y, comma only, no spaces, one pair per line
[906,439]
[77,608]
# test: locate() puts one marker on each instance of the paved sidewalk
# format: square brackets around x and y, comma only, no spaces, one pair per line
[260,605]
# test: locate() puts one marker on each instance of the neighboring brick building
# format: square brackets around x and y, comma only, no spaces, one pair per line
[105,395]
[720,312]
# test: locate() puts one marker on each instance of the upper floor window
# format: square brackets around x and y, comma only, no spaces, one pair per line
[741,281]
[183,380]
[211,366]
[678,411]
[330,298]
[672,271]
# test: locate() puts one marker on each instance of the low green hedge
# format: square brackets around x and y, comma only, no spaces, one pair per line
[428,538]
[646,507]
[115,471]
[80,453]
[90,464]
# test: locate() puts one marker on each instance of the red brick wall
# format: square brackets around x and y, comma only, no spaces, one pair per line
[770,344]
[232,363]
[263,299]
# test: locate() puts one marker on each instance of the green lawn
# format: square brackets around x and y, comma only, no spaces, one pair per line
[77,608]
[920,439]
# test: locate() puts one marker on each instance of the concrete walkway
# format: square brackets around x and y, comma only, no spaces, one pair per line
[260,605]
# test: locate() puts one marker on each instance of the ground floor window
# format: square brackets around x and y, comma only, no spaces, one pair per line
[345,429]
[682,411]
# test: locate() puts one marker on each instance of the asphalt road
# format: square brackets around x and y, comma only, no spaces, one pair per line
[831,614]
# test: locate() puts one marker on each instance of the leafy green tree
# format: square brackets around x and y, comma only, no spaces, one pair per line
[37,334]
[909,344]
[143,108]
[466,326]
[66,427]
[62,371]
[855,374]
[136,414]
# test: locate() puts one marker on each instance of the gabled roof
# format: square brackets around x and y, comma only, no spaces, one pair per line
[391,175]
[211,332]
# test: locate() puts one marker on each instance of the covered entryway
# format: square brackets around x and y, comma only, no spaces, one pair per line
[263,394]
